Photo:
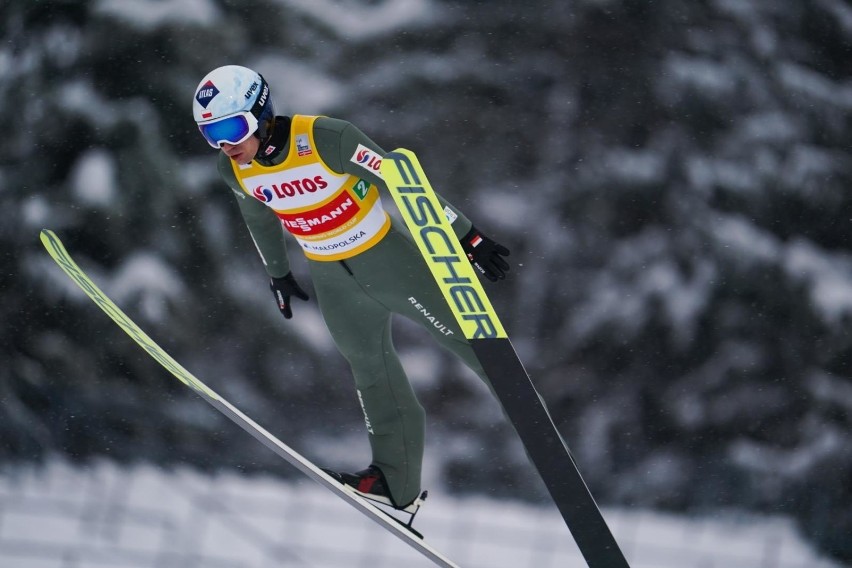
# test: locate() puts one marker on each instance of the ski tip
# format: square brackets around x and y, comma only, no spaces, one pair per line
[46,235]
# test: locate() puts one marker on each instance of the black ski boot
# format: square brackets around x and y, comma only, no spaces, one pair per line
[370,484]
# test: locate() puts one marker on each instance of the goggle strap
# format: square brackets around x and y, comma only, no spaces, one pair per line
[257,107]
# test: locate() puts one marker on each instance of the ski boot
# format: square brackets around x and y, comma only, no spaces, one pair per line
[371,485]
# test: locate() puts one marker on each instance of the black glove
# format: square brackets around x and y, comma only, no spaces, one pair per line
[485,255]
[284,287]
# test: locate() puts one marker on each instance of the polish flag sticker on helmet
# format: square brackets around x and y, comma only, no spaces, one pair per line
[367,159]
[206,93]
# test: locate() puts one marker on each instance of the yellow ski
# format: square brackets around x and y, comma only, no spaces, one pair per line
[393,525]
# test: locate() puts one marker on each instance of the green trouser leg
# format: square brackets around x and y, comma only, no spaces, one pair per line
[357,299]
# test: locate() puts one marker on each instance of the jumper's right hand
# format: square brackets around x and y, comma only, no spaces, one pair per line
[284,287]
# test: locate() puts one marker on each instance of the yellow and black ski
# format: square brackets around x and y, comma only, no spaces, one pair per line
[422,212]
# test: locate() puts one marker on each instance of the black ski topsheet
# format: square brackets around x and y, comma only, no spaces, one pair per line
[57,251]
[422,213]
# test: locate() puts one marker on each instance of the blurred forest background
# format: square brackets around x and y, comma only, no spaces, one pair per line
[672,179]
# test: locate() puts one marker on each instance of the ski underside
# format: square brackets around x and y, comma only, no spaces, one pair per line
[392,524]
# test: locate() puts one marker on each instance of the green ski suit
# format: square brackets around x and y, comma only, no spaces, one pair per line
[358,294]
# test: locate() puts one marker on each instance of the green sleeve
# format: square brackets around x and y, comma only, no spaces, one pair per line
[262,223]
[337,141]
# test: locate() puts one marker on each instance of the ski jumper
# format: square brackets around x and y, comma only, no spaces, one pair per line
[323,188]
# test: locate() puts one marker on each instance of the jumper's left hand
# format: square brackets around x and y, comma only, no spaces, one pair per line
[485,254]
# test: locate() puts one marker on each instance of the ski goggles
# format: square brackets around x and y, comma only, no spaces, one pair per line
[233,129]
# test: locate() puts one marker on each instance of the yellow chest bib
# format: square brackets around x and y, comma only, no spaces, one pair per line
[332,216]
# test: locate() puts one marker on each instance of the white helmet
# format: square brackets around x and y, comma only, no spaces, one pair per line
[231,103]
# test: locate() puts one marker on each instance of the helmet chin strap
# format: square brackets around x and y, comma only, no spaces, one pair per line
[275,143]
